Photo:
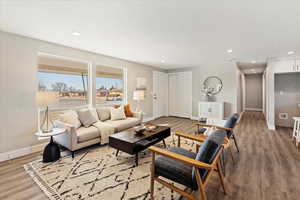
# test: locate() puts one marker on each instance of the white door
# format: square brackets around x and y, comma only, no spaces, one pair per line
[186,94]
[160,94]
[180,94]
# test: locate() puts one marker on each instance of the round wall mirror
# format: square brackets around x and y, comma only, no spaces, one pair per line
[212,85]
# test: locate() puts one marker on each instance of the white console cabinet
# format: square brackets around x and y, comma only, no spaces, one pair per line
[211,110]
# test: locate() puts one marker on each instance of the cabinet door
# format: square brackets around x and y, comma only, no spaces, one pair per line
[204,109]
[216,110]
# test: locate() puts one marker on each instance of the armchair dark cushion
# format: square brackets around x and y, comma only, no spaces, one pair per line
[230,123]
[183,173]
[174,170]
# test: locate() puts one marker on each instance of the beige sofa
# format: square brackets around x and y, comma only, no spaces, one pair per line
[79,137]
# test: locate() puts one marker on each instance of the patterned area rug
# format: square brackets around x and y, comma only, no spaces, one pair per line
[96,173]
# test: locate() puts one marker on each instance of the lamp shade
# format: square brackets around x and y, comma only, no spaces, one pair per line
[46,98]
[139,95]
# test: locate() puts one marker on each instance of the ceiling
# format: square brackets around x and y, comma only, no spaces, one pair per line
[168,34]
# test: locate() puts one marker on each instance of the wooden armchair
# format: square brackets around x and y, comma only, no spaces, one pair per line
[187,168]
[228,128]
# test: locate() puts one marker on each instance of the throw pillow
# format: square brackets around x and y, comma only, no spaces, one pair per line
[128,111]
[94,113]
[117,113]
[86,117]
[70,117]
[103,113]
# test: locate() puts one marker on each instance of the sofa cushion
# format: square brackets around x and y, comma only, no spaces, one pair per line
[85,134]
[70,117]
[121,125]
[94,113]
[86,117]
[103,113]
[174,170]
[117,113]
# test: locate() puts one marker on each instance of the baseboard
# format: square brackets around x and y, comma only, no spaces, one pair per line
[3,157]
[194,118]
[271,126]
[148,119]
[21,152]
[254,109]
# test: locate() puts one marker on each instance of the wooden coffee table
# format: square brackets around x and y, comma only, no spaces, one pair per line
[128,141]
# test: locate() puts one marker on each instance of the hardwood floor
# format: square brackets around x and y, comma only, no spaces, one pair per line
[268,166]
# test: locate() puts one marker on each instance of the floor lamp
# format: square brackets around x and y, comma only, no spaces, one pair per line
[44,99]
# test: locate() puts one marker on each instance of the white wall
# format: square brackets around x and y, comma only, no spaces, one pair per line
[227,72]
[254,91]
[18,85]
[239,80]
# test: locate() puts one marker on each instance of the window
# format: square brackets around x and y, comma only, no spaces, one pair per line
[109,85]
[68,78]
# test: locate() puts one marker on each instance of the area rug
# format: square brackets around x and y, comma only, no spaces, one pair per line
[96,173]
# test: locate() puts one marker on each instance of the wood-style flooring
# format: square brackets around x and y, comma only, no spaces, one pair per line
[267,167]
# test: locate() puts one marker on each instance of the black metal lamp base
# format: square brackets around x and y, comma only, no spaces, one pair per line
[51,152]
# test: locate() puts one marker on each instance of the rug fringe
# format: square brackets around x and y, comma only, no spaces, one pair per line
[49,192]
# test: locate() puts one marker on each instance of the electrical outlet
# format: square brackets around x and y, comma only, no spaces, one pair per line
[283,116]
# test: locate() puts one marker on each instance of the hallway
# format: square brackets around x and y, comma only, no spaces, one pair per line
[268,165]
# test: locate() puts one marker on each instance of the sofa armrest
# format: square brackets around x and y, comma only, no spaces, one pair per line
[138,115]
[68,139]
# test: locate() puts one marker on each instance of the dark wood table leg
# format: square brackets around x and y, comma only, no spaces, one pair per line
[117,152]
[164,143]
[136,159]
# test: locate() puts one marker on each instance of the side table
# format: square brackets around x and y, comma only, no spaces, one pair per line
[51,151]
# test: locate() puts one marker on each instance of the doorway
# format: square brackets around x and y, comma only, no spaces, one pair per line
[253,92]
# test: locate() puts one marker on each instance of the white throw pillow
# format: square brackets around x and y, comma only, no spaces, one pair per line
[70,117]
[117,113]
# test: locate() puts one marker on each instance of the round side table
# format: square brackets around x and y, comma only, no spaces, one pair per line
[51,151]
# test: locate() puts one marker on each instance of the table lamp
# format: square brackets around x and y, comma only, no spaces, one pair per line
[44,99]
[138,95]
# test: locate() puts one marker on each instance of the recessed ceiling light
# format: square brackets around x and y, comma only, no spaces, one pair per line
[291,52]
[253,61]
[76,33]
[229,51]
[162,61]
